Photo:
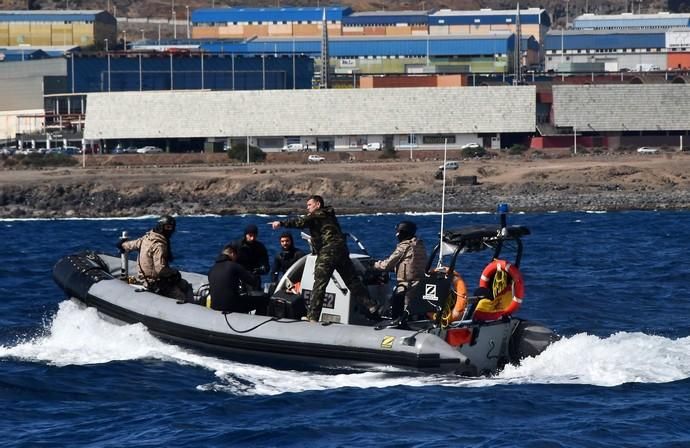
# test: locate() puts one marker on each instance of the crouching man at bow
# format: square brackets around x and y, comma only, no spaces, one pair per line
[155,254]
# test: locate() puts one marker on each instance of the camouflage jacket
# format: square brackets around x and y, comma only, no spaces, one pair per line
[408,260]
[153,256]
[323,227]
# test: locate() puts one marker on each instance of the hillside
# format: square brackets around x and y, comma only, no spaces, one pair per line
[556,8]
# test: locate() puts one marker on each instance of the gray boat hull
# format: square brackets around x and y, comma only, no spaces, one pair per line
[91,280]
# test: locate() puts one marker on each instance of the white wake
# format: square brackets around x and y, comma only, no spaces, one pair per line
[77,336]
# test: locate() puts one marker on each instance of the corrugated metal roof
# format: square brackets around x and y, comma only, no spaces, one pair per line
[39,68]
[387,18]
[661,20]
[56,16]
[604,39]
[22,54]
[489,17]
[355,46]
[21,93]
[229,15]
[622,107]
[311,112]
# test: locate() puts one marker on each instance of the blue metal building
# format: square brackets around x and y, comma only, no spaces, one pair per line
[490,17]
[21,54]
[57,16]
[383,18]
[603,40]
[630,21]
[221,16]
[160,71]
[348,47]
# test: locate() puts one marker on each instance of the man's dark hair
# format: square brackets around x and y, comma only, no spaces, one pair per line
[230,248]
[316,198]
[287,235]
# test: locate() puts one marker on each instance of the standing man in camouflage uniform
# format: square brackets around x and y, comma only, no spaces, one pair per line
[332,253]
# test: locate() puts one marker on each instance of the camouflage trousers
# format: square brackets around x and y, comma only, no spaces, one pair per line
[329,260]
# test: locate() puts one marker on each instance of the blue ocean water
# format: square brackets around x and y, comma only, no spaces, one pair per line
[615,285]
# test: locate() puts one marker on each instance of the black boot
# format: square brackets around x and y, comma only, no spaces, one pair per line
[399,322]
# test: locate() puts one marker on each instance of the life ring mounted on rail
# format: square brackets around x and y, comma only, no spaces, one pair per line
[504,280]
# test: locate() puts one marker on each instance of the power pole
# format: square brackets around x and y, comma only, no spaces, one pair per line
[517,79]
[323,82]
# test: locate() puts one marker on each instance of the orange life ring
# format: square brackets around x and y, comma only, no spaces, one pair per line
[507,295]
[459,289]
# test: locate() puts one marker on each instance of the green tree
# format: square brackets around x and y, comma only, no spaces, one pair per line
[238,151]
[469,153]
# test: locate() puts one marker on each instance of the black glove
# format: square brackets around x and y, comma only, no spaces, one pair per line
[119,246]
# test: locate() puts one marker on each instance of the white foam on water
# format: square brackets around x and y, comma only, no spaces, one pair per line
[610,361]
[79,336]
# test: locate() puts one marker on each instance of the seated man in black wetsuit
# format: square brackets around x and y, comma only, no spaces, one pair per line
[287,256]
[225,279]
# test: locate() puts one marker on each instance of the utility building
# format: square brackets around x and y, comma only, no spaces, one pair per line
[51,28]
[331,119]
[602,50]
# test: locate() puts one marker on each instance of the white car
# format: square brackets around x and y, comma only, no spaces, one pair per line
[149,150]
[647,150]
[292,147]
[315,158]
[471,146]
[373,146]
[451,165]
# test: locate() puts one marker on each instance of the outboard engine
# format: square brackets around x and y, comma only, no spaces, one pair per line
[529,339]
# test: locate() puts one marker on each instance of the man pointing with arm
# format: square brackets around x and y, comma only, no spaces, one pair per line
[332,253]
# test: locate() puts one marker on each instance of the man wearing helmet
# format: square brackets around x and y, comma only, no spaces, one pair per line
[155,254]
[408,261]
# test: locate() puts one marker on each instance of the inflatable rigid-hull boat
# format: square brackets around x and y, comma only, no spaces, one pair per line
[94,280]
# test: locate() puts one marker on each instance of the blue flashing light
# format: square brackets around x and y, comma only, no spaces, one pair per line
[502,208]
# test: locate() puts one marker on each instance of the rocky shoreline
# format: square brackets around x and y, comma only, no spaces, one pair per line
[351,188]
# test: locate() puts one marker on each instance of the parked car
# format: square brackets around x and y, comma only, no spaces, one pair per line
[373,146]
[149,150]
[647,150]
[69,150]
[292,147]
[6,151]
[451,165]
[472,145]
[315,158]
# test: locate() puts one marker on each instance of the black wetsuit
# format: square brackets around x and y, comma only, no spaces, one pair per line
[283,260]
[224,280]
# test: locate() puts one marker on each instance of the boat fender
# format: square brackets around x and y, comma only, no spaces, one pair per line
[457,296]
[505,281]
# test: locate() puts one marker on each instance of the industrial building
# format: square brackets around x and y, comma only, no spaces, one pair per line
[629,21]
[244,23]
[617,50]
[493,53]
[49,28]
[334,119]
[624,115]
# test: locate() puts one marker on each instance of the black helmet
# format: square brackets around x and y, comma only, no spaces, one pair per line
[405,230]
[165,225]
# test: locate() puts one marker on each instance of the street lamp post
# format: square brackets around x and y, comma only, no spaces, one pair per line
[107,53]
[174,21]
[143,37]
[124,40]
[186,7]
